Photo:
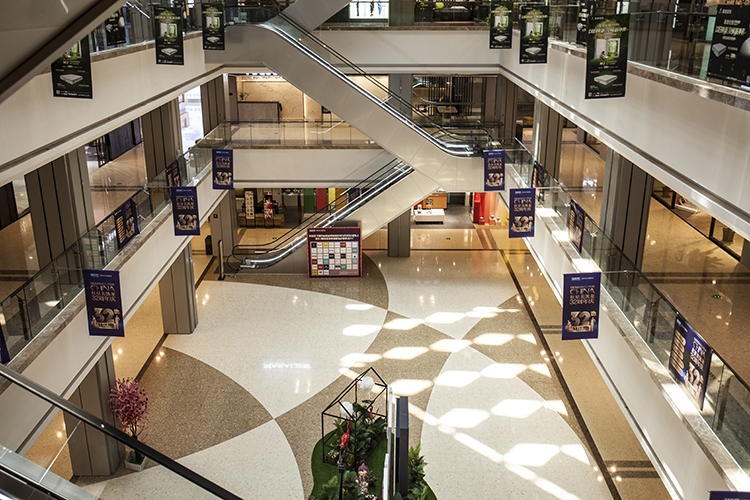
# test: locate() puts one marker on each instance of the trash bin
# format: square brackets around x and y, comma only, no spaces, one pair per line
[728,236]
[209,245]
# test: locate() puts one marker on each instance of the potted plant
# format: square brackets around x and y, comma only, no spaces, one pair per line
[129,404]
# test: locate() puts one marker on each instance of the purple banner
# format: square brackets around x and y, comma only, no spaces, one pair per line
[223,168]
[104,303]
[4,354]
[690,360]
[522,205]
[185,211]
[334,252]
[581,306]
[126,223]
[494,170]
[173,174]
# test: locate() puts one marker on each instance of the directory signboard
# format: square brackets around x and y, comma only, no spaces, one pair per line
[334,252]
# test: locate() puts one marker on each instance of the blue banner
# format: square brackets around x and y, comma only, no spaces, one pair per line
[522,212]
[185,211]
[581,306]
[494,170]
[729,495]
[104,303]
[126,223]
[223,168]
[173,174]
[576,219]
[690,359]
[4,354]
[537,176]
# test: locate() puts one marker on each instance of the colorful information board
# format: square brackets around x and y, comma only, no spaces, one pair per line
[501,26]
[522,212]
[607,55]
[581,306]
[104,303]
[334,252]
[690,359]
[494,170]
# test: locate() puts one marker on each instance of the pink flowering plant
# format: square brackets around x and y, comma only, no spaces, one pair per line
[130,405]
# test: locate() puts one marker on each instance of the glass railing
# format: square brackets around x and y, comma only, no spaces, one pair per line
[289,134]
[727,402]
[59,456]
[268,254]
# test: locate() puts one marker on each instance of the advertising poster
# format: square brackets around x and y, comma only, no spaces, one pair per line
[334,252]
[185,211]
[533,21]
[213,26]
[576,219]
[730,50]
[223,168]
[126,223]
[104,302]
[494,170]
[71,72]
[729,495]
[249,204]
[522,205]
[168,35]
[583,16]
[267,207]
[581,306]
[4,354]
[501,26]
[173,174]
[537,176]
[607,56]
[114,28]
[690,360]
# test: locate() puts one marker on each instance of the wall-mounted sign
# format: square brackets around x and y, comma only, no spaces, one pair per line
[494,170]
[522,209]
[213,26]
[223,168]
[185,211]
[114,29]
[4,354]
[71,72]
[104,303]
[607,55]
[168,35]
[501,26]
[690,360]
[576,220]
[126,223]
[334,252]
[173,174]
[581,306]
[533,20]
[730,50]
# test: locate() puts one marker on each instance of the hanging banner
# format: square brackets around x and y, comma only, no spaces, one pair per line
[185,210]
[581,306]
[4,354]
[104,302]
[576,220]
[494,170]
[173,174]
[126,223]
[267,207]
[533,20]
[213,26]
[71,73]
[249,204]
[583,16]
[168,35]
[730,50]
[607,56]
[114,29]
[501,26]
[334,252]
[690,360]
[522,207]
[223,168]
[537,176]
[728,495]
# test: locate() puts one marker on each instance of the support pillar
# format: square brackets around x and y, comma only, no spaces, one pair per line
[162,137]
[92,453]
[399,235]
[547,141]
[60,203]
[626,199]
[213,103]
[402,84]
[224,228]
[507,100]
[177,291]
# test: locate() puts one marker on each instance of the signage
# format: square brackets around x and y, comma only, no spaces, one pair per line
[104,302]
[168,35]
[494,170]
[576,220]
[185,210]
[607,55]
[728,495]
[537,176]
[114,28]
[533,20]
[223,168]
[4,354]
[126,223]
[334,252]
[690,360]
[729,58]
[584,7]
[213,26]
[501,26]
[71,72]
[581,306]
[173,174]
[522,205]
[249,204]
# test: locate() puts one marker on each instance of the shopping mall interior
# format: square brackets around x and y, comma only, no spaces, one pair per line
[269,374]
